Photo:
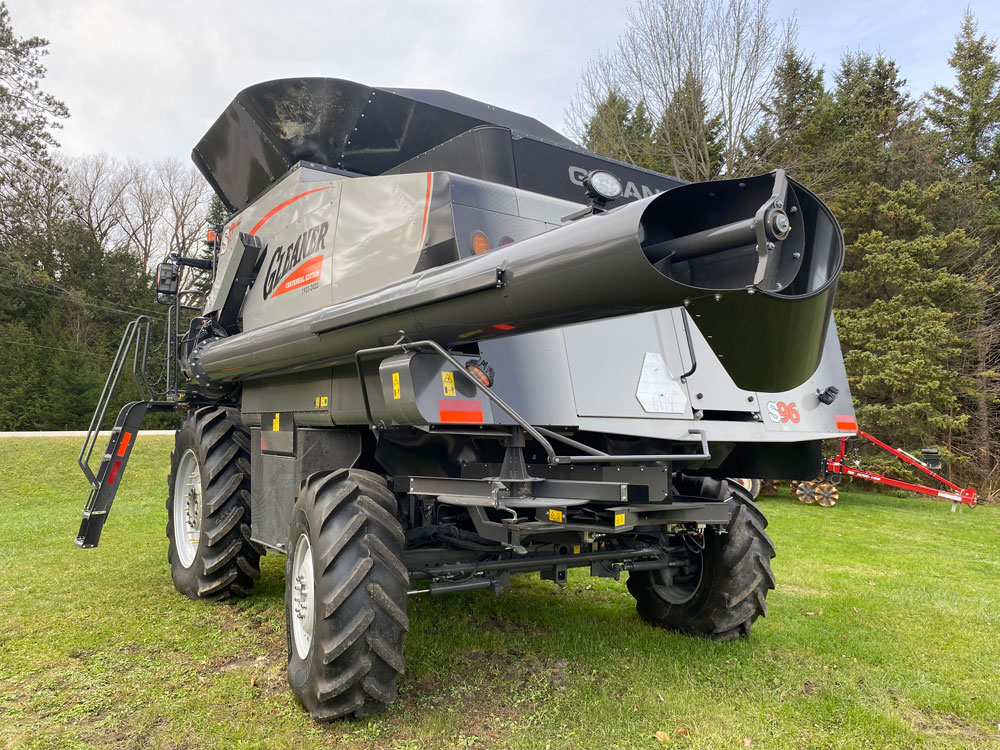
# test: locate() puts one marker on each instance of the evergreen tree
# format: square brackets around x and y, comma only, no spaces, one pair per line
[217,212]
[873,118]
[798,91]
[688,142]
[27,117]
[968,115]
[901,314]
[610,132]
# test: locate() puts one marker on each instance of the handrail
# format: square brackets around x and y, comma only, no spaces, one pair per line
[550,452]
[538,433]
[690,343]
[137,333]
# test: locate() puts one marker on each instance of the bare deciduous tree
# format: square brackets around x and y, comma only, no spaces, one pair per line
[148,208]
[188,197]
[681,57]
[97,185]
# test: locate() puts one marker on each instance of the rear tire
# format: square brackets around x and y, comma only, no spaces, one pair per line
[208,507]
[735,575]
[345,595]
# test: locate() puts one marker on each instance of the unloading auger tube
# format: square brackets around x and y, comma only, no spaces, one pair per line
[754,261]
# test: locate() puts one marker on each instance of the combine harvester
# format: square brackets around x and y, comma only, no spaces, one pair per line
[444,345]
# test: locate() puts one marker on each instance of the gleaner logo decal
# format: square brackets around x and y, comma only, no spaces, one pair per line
[289,268]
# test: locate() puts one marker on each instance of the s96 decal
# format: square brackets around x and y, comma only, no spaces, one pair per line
[779,411]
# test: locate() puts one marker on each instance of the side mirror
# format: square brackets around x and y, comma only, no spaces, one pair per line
[167,278]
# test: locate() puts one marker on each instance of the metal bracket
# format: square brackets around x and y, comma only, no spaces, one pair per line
[767,236]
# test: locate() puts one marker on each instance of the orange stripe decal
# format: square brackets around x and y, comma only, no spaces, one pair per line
[846,423]
[427,205]
[123,446]
[280,206]
[457,410]
[304,275]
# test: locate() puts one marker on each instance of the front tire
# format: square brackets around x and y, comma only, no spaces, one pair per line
[725,589]
[345,595]
[208,507]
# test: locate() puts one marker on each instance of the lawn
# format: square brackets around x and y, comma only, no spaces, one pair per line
[883,632]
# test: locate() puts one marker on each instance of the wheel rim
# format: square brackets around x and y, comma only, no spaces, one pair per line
[827,494]
[806,492]
[678,585]
[303,608]
[187,508]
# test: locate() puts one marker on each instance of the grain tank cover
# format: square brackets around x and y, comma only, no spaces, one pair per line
[269,127]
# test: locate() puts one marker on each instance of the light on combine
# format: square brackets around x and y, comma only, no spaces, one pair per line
[481,370]
[480,243]
[602,185]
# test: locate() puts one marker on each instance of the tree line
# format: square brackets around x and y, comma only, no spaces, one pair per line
[718,89]
[78,240]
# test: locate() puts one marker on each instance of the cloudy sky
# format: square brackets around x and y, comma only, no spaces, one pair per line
[145,78]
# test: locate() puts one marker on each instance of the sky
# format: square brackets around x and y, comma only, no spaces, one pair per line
[146,78]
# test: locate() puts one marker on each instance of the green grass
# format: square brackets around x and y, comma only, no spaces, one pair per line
[883,632]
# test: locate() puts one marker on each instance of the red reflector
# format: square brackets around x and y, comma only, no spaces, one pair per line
[846,423]
[123,445]
[457,410]
[504,327]
[479,374]
[115,467]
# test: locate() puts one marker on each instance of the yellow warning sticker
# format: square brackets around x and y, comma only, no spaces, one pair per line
[448,382]
[619,519]
[276,422]
[576,549]
[324,401]
[316,402]
[395,386]
[555,515]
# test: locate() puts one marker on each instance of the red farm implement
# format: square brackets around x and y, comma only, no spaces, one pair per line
[824,489]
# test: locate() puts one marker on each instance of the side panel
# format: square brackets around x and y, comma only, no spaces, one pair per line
[275,479]
[297,272]
[587,376]
[306,394]
[608,360]
[380,232]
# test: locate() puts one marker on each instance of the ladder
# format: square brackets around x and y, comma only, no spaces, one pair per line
[105,481]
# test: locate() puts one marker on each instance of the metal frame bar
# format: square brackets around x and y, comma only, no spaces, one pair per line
[535,563]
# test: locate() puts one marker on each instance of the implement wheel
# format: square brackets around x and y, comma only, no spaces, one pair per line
[769,487]
[208,507]
[345,595]
[806,492]
[827,494]
[723,588]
